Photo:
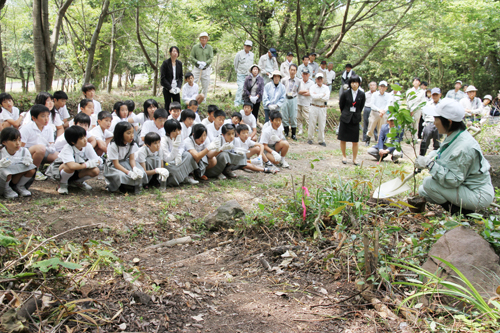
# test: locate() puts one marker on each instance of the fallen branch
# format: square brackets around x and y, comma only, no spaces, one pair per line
[170,243]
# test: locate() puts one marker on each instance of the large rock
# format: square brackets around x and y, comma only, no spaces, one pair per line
[470,254]
[225,216]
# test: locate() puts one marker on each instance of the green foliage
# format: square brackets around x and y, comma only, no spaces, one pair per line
[54,263]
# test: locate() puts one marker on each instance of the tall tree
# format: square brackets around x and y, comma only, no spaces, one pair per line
[2,63]
[93,41]
[45,46]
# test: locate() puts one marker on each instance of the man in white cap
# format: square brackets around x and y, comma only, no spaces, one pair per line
[285,65]
[274,94]
[456,94]
[380,108]
[459,179]
[430,130]
[268,64]
[304,100]
[472,104]
[202,55]
[415,99]
[381,150]
[242,63]
[320,95]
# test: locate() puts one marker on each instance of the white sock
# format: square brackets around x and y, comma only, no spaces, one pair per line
[23,181]
[81,180]
[65,176]
[7,185]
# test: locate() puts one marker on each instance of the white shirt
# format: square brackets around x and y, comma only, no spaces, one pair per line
[185,131]
[68,153]
[61,142]
[205,122]
[31,135]
[249,120]
[190,144]
[178,119]
[148,127]
[14,115]
[428,118]
[17,157]
[56,121]
[144,152]
[285,69]
[98,133]
[115,121]
[212,133]
[63,112]
[97,107]
[319,95]
[304,100]
[268,131]
[119,153]
[413,101]
[167,149]
[197,120]
[330,76]
[93,121]
[368,98]
[189,93]
[246,145]
[381,102]
[475,106]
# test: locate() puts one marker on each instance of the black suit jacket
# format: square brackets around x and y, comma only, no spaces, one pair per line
[167,74]
[346,103]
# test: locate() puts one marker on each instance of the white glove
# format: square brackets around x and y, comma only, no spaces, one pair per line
[240,151]
[253,99]
[277,156]
[432,155]
[227,146]
[422,161]
[51,149]
[162,174]
[178,160]
[27,160]
[274,137]
[214,145]
[177,142]
[138,172]
[5,162]
[272,107]
[132,175]
[171,91]
[90,164]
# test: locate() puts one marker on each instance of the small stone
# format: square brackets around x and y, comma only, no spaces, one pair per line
[122,327]
[197,325]
[136,261]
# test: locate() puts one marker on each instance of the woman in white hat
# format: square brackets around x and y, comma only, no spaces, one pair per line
[460,180]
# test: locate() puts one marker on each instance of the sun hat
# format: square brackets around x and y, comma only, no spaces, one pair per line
[448,108]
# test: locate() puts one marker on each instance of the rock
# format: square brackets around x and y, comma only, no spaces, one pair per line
[224,216]
[471,255]
[140,297]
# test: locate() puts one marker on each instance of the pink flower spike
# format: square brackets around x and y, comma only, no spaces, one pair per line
[306,191]
[304,207]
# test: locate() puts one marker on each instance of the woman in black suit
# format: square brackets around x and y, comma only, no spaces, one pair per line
[171,78]
[351,103]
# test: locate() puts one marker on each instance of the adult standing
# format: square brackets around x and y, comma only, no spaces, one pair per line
[289,109]
[305,65]
[268,64]
[285,65]
[368,109]
[330,76]
[202,55]
[344,78]
[351,104]
[274,94]
[253,89]
[171,77]
[380,108]
[472,104]
[242,63]
[314,65]
[322,69]
[415,99]
[320,94]
[304,100]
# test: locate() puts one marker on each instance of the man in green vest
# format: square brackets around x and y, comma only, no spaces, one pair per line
[201,56]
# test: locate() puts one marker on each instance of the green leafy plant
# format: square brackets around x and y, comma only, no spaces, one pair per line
[54,263]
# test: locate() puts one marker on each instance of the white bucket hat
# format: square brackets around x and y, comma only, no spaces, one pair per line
[470,88]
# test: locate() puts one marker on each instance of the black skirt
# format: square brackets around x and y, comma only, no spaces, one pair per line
[348,132]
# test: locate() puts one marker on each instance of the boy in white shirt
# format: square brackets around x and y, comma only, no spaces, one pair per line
[155,126]
[187,120]
[245,146]
[248,118]
[175,111]
[76,163]
[215,129]
[38,137]
[150,158]
[235,119]
[88,90]
[190,90]
[274,141]
[210,111]
[102,133]
[193,106]
[60,99]
[10,114]
[82,120]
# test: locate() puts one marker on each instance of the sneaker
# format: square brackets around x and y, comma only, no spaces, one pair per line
[40,176]
[257,161]
[269,164]
[284,164]
[21,190]
[63,188]
[9,193]
[190,180]
[81,185]
[322,144]
[294,138]
[310,142]
[221,176]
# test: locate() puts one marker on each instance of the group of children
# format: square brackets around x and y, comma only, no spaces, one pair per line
[156,147]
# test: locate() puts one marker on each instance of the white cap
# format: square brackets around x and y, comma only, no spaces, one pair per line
[470,88]
[392,118]
[458,81]
[319,75]
[435,91]
[383,83]
[203,34]
[488,97]
[448,108]
[248,43]
[276,72]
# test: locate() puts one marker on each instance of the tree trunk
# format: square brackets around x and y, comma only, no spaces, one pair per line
[28,80]
[150,62]
[63,80]
[2,64]
[119,83]
[40,42]
[23,83]
[93,41]
[111,54]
